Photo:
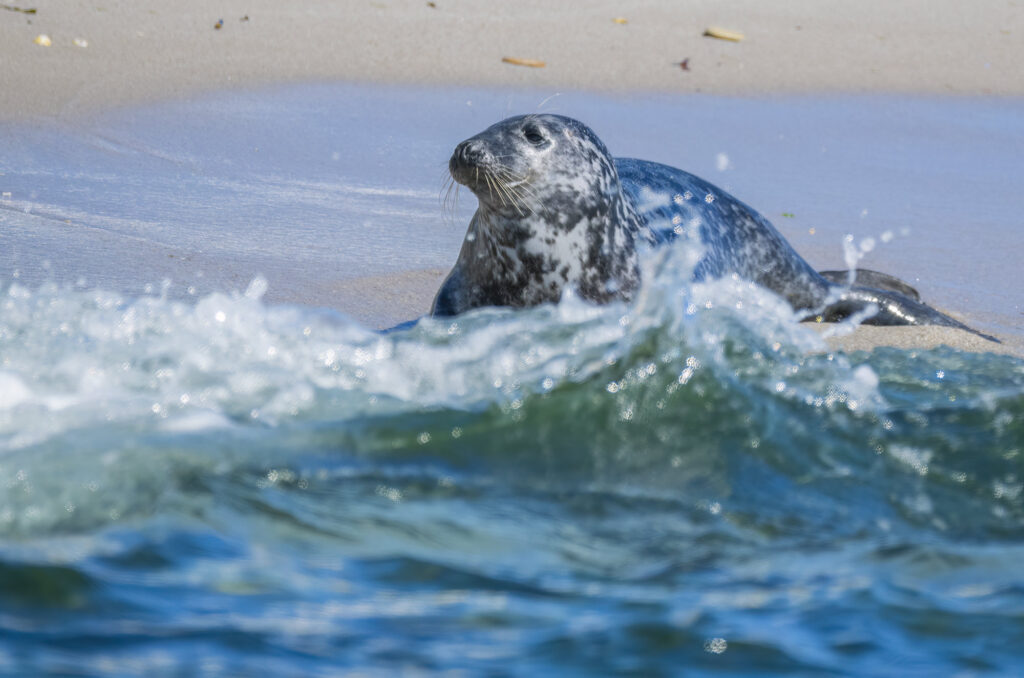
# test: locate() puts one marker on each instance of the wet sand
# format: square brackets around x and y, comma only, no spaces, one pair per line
[402,296]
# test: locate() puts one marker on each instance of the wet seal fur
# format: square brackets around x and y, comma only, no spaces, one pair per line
[557,211]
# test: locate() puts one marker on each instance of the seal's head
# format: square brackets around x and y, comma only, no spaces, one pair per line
[535,163]
[552,217]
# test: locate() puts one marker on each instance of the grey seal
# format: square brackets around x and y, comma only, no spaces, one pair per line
[557,211]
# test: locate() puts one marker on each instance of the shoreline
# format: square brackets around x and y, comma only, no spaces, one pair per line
[94,228]
[121,56]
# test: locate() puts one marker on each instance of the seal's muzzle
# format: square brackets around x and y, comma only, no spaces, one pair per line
[469,156]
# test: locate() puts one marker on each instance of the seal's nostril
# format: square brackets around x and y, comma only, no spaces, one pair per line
[469,154]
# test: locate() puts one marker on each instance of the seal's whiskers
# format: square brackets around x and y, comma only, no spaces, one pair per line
[513,199]
[506,195]
[490,185]
[450,202]
[518,190]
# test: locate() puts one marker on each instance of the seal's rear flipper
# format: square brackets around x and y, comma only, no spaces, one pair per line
[865,277]
[894,308]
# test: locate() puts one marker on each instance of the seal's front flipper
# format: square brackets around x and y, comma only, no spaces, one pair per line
[865,277]
[893,309]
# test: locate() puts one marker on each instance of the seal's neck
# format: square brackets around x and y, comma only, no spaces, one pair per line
[533,259]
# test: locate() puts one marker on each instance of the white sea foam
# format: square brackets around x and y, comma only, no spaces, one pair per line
[98,381]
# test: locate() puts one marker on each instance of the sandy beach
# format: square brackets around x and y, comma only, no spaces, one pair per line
[115,53]
[96,58]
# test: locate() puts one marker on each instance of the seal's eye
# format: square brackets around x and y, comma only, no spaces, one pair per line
[533,135]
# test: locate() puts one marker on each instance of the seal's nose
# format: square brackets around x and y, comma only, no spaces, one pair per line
[469,154]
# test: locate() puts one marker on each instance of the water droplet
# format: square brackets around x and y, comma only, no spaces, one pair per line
[715,645]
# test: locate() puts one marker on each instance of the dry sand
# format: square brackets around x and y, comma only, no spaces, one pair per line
[135,51]
[141,50]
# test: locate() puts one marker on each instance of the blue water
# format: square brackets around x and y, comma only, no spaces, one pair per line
[202,480]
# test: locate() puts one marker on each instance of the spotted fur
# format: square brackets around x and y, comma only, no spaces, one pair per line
[557,211]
